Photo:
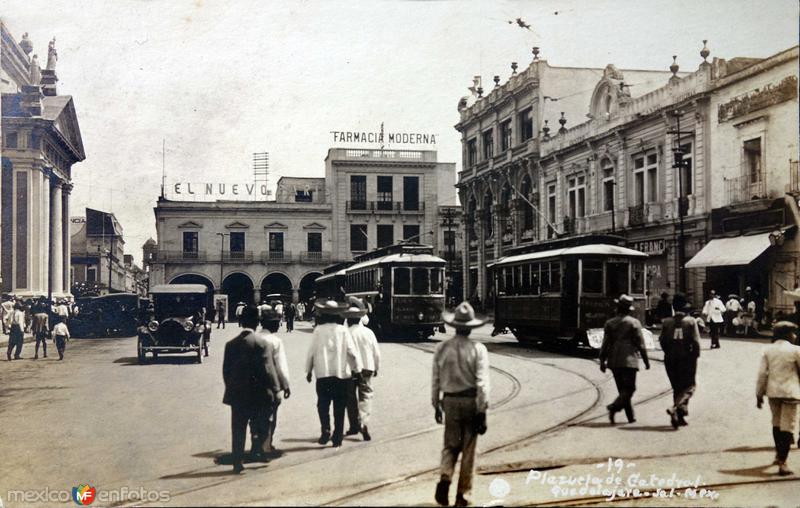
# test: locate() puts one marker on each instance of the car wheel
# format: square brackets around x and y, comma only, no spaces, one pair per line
[140,352]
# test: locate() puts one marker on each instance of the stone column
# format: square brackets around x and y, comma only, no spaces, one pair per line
[66,238]
[56,239]
[44,252]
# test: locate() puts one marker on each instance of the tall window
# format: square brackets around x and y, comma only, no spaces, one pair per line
[276,242]
[607,171]
[505,135]
[686,171]
[358,237]
[358,192]
[11,140]
[472,152]
[527,209]
[449,243]
[236,244]
[314,242]
[488,144]
[91,274]
[411,193]
[576,190]
[645,179]
[551,209]
[190,243]
[385,197]
[411,233]
[525,125]
[385,235]
[752,159]
[488,217]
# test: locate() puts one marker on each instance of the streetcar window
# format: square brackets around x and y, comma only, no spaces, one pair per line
[592,276]
[498,275]
[637,277]
[616,279]
[509,271]
[535,278]
[402,281]
[555,277]
[436,280]
[420,281]
[526,280]
[518,280]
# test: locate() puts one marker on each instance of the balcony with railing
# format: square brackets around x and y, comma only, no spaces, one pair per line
[276,256]
[745,188]
[411,207]
[177,256]
[359,206]
[637,215]
[238,256]
[385,207]
[361,154]
[570,225]
[315,257]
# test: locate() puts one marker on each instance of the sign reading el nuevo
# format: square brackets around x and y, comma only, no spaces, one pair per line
[400,138]
[195,190]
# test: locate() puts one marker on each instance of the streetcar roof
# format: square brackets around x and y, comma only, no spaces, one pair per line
[330,275]
[178,288]
[399,258]
[599,249]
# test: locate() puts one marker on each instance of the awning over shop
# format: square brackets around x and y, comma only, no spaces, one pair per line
[739,250]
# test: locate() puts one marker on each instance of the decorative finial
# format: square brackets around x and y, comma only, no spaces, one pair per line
[52,55]
[26,44]
[546,131]
[496,80]
[705,51]
[674,67]
[563,122]
[36,71]
[513,67]
[535,52]
[480,91]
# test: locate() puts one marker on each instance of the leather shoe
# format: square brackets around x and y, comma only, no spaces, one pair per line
[461,501]
[442,490]
[238,468]
[352,431]
[365,433]
[324,438]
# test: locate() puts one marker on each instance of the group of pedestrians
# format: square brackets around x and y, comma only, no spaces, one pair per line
[44,319]
[778,376]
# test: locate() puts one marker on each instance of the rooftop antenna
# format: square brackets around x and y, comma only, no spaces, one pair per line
[261,171]
[163,166]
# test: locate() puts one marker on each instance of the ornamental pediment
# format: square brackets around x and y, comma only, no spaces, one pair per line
[190,225]
[237,225]
[276,225]
[314,226]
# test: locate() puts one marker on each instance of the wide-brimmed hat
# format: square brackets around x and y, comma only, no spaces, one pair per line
[355,308]
[625,301]
[792,294]
[329,306]
[463,317]
[783,329]
[733,295]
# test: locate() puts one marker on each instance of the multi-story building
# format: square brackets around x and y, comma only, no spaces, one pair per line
[98,254]
[41,140]
[649,166]
[249,249]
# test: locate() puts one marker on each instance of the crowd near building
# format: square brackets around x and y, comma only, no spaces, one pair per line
[698,170]
[246,250]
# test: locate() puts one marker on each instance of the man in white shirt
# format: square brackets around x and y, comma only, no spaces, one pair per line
[270,321]
[733,308]
[460,387]
[17,332]
[367,346]
[238,312]
[6,311]
[331,358]
[712,313]
[60,336]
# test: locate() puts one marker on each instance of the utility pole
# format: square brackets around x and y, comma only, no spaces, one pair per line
[449,223]
[680,164]
[221,258]
[110,261]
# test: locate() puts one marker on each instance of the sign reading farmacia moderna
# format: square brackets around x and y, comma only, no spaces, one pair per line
[399,138]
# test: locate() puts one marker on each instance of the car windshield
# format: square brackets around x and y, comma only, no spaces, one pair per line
[177,305]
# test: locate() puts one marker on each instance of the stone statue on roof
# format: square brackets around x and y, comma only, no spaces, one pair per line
[52,55]
[36,71]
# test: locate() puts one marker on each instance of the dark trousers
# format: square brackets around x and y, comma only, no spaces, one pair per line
[221,321]
[352,404]
[61,345]
[241,416]
[625,379]
[41,337]
[681,373]
[783,443]
[15,340]
[332,390]
[714,331]
[289,324]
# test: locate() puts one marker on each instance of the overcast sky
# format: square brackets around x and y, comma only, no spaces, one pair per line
[222,79]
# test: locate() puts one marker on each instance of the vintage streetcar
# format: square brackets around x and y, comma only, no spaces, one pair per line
[113,315]
[566,294]
[402,285]
[177,323]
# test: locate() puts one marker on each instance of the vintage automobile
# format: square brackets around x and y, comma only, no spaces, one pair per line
[114,315]
[176,323]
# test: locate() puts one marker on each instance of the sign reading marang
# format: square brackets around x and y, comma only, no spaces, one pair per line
[759,99]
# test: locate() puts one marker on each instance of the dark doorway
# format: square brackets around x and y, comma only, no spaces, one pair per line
[276,283]
[239,288]
[306,293]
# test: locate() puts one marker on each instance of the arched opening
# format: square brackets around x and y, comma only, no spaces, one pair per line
[306,292]
[192,278]
[239,288]
[276,283]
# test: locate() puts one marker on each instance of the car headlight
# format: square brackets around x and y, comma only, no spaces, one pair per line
[199,328]
[152,326]
[421,316]
[595,336]
[188,326]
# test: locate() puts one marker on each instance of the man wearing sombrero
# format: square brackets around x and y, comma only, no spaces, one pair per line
[366,345]
[460,388]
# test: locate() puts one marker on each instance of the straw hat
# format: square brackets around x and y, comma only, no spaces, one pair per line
[355,309]
[463,317]
[329,306]
[625,301]
[783,329]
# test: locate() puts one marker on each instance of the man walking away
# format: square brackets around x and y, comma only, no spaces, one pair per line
[301,309]
[367,346]
[220,314]
[460,388]
[291,311]
[249,386]
[733,309]
[238,312]
[712,314]
[779,380]
[277,359]
[623,343]
[680,341]
[664,308]
[17,332]
[60,336]
[40,326]
[331,358]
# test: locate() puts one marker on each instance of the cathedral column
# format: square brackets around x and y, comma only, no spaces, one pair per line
[56,239]
[66,239]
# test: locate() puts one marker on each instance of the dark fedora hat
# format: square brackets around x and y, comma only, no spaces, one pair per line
[625,301]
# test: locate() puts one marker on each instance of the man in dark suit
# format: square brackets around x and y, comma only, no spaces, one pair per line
[249,385]
[680,341]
